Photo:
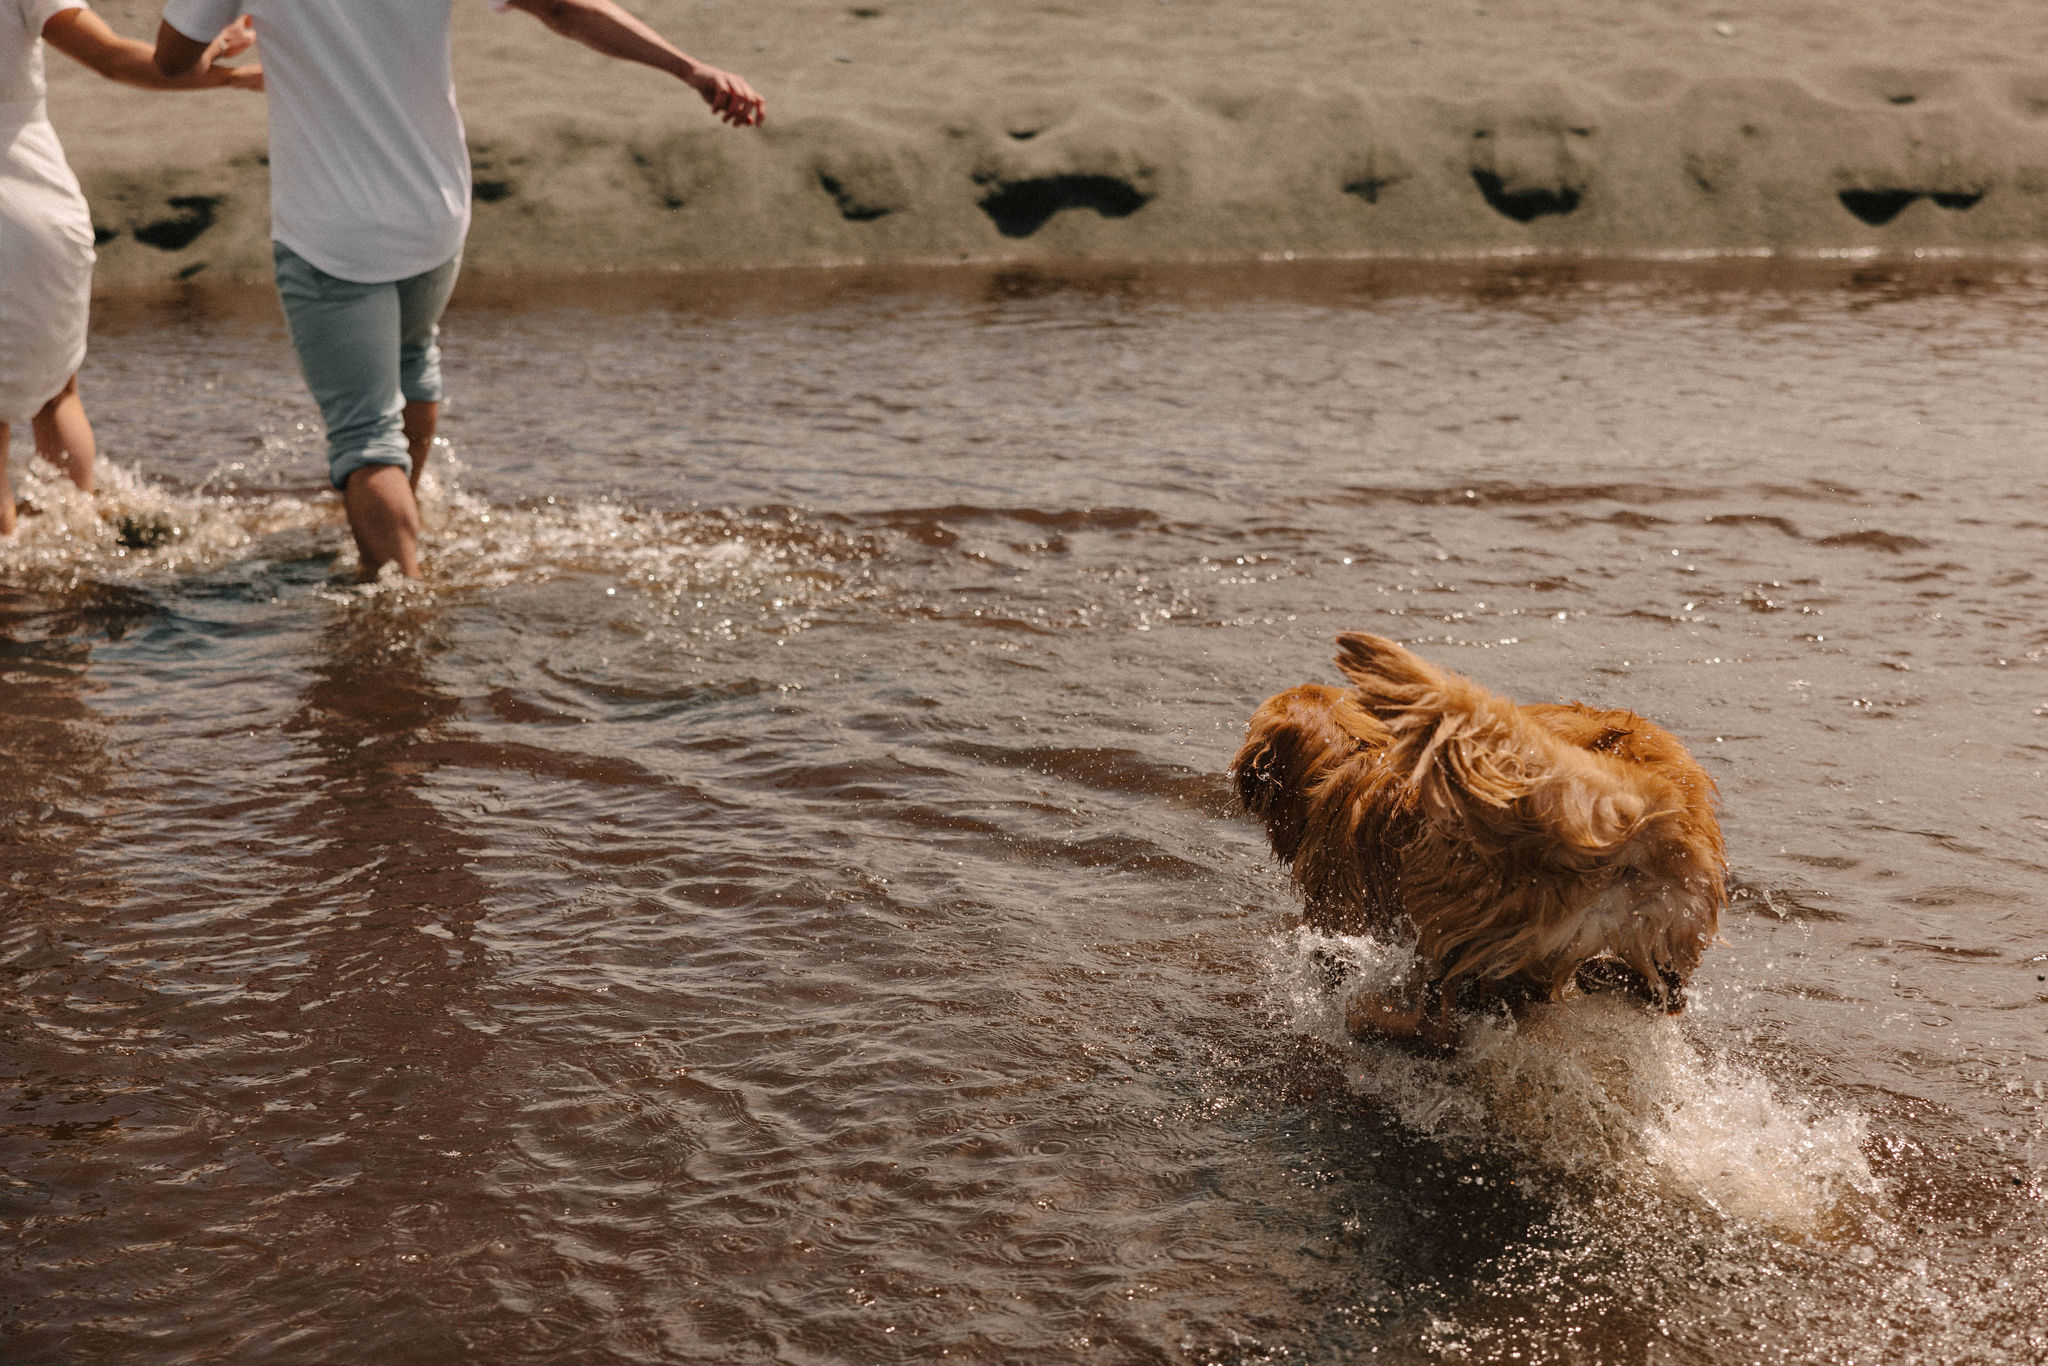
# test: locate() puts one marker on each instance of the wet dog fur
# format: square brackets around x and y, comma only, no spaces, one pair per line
[1531,851]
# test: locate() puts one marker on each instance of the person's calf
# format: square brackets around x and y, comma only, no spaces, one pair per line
[421,418]
[64,436]
[6,488]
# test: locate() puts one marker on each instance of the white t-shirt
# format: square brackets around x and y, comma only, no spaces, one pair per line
[369,173]
[21,47]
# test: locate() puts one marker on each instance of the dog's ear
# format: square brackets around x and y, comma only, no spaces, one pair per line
[1295,739]
[1388,677]
[1309,769]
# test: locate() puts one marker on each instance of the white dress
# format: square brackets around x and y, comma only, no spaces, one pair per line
[46,251]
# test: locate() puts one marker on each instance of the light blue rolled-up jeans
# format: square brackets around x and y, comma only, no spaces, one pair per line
[366,351]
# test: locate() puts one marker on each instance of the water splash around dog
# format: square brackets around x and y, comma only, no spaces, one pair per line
[1595,1090]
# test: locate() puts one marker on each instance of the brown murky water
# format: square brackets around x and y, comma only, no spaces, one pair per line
[774,898]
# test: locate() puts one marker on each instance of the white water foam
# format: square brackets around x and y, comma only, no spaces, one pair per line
[719,570]
[1595,1088]
[133,529]
[710,571]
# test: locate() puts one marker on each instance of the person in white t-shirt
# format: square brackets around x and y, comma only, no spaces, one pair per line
[369,204]
[46,236]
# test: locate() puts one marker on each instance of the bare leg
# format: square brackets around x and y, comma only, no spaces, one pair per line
[385,520]
[64,436]
[6,488]
[421,418]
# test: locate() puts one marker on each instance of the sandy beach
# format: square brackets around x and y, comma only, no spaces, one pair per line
[948,130]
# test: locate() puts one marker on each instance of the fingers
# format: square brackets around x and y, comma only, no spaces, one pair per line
[237,37]
[732,99]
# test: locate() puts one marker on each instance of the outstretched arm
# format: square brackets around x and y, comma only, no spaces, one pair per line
[83,36]
[603,27]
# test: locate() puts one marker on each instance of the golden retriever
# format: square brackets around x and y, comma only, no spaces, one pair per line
[1532,851]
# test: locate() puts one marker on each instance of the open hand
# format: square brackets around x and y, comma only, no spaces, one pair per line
[731,98]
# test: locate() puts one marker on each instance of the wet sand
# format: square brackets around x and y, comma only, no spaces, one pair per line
[947,130]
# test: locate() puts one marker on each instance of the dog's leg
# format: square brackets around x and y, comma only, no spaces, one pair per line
[1420,1014]
[1439,1029]
[1376,1015]
[1612,975]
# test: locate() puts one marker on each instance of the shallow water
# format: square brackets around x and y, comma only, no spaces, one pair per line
[773,896]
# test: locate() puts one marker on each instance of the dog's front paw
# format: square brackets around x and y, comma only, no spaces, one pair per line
[1424,1019]
[1666,994]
